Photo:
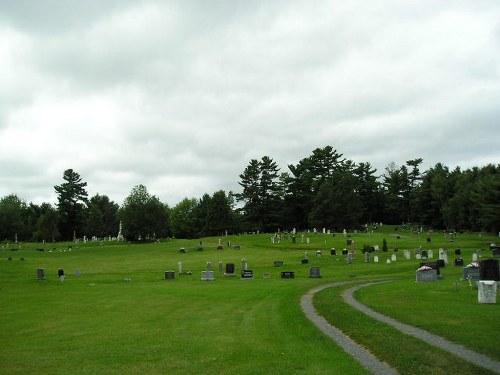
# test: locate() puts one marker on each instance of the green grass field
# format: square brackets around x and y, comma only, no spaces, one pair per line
[120,316]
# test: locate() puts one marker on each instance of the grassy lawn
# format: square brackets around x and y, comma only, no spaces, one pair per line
[101,323]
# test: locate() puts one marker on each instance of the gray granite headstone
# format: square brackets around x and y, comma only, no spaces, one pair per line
[314,273]
[41,274]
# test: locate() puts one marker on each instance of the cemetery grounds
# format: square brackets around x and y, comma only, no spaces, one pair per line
[115,313]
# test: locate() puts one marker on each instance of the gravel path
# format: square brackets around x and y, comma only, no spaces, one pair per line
[363,356]
[462,352]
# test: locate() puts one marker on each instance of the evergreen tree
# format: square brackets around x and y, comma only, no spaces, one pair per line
[72,198]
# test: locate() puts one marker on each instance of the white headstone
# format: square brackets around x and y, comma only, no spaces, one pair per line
[474,257]
[406,254]
[487,291]
[393,257]
[375,258]
[179,265]
[388,261]
[418,256]
[430,254]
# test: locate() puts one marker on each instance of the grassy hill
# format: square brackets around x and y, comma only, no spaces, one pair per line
[120,315]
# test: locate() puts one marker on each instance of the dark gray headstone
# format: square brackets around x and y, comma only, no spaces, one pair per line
[424,253]
[489,270]
[60,272]
[169,275]
[333,252]
[246,274]
[305,261]
[345,252]
[40,274]
[230,268]
[459,262]
[278,263]
[314,273]
[287,275]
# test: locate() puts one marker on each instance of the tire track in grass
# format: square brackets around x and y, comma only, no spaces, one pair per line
[458,350]
[361,354]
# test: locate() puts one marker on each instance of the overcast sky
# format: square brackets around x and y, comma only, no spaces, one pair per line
[180,95]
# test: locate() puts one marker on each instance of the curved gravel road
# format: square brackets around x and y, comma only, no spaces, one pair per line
[459,350]
[363,356]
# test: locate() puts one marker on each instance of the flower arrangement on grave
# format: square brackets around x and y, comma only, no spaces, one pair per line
[472,265]
[424,268]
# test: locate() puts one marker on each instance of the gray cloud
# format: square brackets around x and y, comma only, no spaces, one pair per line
[179,96]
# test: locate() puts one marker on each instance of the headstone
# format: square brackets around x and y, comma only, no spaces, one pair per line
[489,270]
[429,275]
[440,263]
[266,275]
[293,239]
[307,240]
[393,257]
[333,252]
[246,274]
[375,247]
[459,262]
[287,275]
[319,254]
[345,252]
[367,257]
[471,272]
[349,242]
[278,263]
[424,254]
[434,265]
[418,256]
[179,266]
[207,276]
[474,257]
[407,254]
[41,274]
[219,247]
[350,258]
[229,269]
[183,250]
[237,247]
[169,275]
[60,272]
[430,254]
[487,291]
[314,273]
[209,266]
[375,259]
[305,261]
[244,264]
[221,267]
[388,261]
[458,252]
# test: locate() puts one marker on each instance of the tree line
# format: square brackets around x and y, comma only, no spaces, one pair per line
[323,190]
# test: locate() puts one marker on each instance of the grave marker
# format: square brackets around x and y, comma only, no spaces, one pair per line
[40,274]
[487,291]
[229,269]
[246,274]
[314,273]
[287,275]
[169,275]
[489,270]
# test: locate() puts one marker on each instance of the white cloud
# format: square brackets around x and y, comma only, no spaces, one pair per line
[180,96]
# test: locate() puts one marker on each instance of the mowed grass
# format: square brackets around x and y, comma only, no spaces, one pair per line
[121,316]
